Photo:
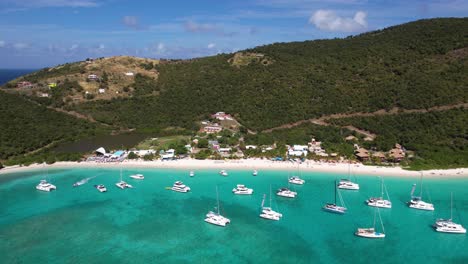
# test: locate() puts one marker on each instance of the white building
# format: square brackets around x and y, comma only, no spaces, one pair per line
[169,154]
[250,147]
[101,91]
[298,150]
[129,74]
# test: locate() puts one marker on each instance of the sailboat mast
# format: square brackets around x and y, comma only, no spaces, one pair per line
[335,192]
[421,183]
[217,198]
[270,195]
[451,205]
[381,186]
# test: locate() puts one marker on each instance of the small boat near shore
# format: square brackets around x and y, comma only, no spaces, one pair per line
[242,190]
[223,173]
[333,207]
[191,173]
[121,184]
[180,187]
[101,188]
[285,192]
[215,218]
[268,212]
[296,180]
[380,202]
[447,225]
[45,186]
[137,176]
[371,232]
[416,202]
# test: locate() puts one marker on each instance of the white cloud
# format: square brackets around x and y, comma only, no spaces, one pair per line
[328,20]
[2,43]
[20,46]
[192,26]
[130,21]
[54,3]
[211,45]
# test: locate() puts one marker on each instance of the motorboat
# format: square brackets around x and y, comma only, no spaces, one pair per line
[192,173]
[137,176]
[285,192]
[101,188]
[347,185]
[223,173]
[333,207]
[216,218]
[369,233]
[45,186]
[180,187]
[255,173]
[241,189]
[123,185]
[296,180]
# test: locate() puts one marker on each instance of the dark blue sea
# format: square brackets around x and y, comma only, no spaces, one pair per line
[10,74]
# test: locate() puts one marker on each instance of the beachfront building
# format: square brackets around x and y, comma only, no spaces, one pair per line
[213,144]
[298,150]
[144,152]
[380,156]
[316,148]
[397,154]
[222,116]
[168,154]
[362,154]
[100,151]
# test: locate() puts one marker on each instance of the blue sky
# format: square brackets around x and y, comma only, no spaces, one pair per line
[40,33]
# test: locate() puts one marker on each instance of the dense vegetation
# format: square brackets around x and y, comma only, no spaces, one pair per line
[416,65]
[26,126]
[439,139]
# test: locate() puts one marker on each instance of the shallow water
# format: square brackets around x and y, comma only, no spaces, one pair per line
[149,224]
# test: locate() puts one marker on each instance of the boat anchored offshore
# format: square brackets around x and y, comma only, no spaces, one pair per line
[101,188]
[447,225]
[241,189]
[380,201]
[296,180]
[285,192]
[137,176]
[191,173]
[255,173]
[45,186]
[267,212]
[347,184]
[416,202]
[121,184]
[371,232]
[216,218]
[223,173]
[333,207]
[180,187]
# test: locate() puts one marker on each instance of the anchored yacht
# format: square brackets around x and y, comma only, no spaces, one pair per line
[137,176]
[191,173]
[123,185]
[216,218]
[348,185]
[333,207]
[371,232]
[45,186]
[447,225]
[101,188]
[223,173]
[285,192]
[380,201]
[255,173]
[296,180]
[241,189]
[180,187]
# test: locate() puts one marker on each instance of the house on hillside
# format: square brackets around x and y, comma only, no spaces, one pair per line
[129,74]
[212,128]
[213,144]
[101,90]
[297,150]
[222,116]
[93,77]
[397,154]
[52,85]
[24,85]
[316,148]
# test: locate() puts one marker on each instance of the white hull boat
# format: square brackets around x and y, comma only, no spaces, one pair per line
[296,180]
[101,188]
[223,173]
[216,218]
[45,186]
[180,187]
[137,176]
[242,190]
[285,192]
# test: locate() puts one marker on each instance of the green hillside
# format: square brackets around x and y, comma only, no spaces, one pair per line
[417,65]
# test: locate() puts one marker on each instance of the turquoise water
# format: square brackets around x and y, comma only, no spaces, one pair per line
[149,224]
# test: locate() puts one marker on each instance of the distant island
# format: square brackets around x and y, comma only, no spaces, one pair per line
[396,96]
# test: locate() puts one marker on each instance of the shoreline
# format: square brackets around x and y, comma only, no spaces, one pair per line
[249,164]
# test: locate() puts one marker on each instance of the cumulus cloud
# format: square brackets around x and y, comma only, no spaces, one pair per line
[131,22]
[54,3]
[328,20]
[211,45]
[20,46]
[192,26]
[2,43]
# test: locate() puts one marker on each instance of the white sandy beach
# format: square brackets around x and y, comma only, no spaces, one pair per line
[251,164]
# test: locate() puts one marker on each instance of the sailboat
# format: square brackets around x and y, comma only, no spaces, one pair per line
[380,201]
[347,184]
[296,179]
[370,232]
[267,212]
[447,225]
[333,208]
[44,185]
[416,202]
[121,184]
[191,173]
[216,218]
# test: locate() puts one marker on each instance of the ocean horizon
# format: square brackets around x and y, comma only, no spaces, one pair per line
[149,223]
[7,75]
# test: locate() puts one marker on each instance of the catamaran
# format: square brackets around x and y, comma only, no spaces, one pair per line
[216,218]
[44,185]
[296,180]
[447,225]
[101,188]
[371,232]
[241,189]
[285,192]
[333,207]
[416,202]
[347,184]
[267,212]
[121,184]
[380,201]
